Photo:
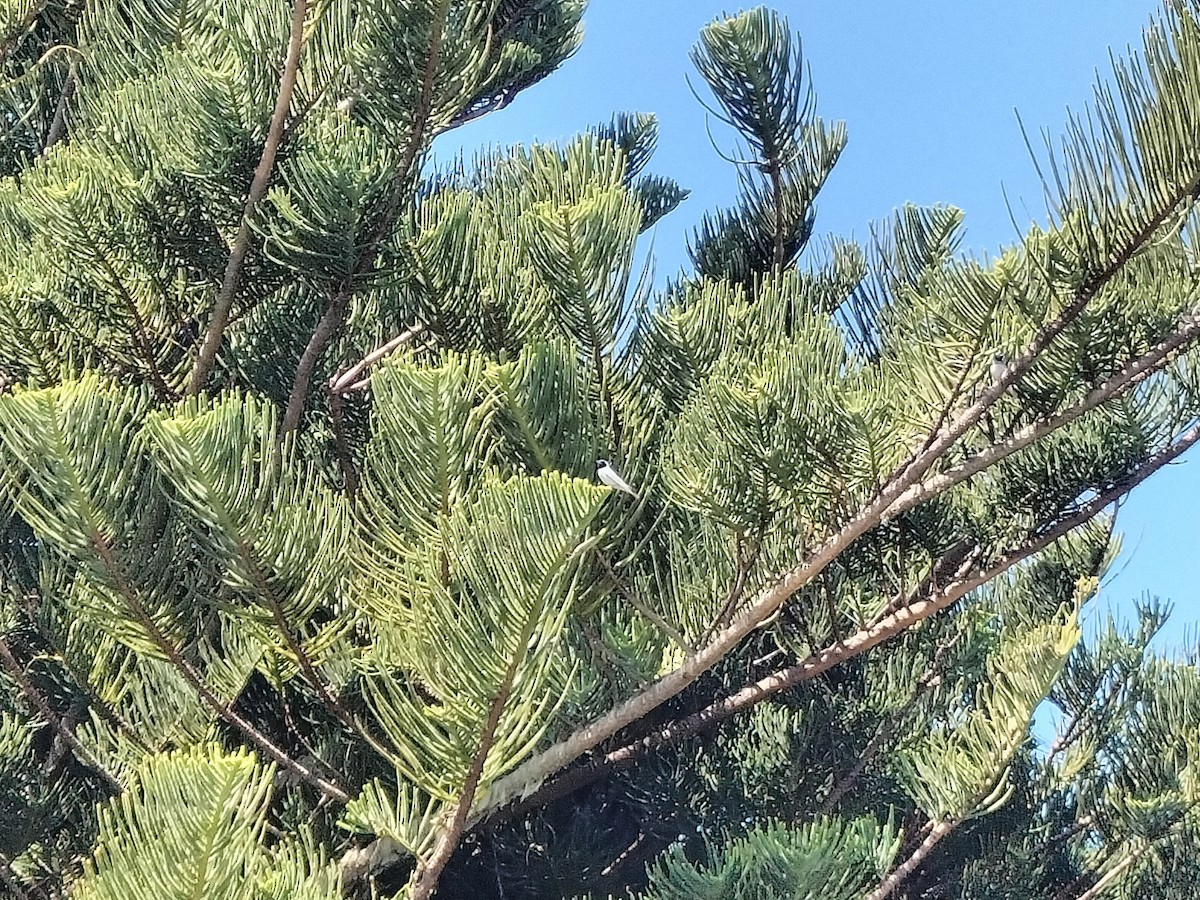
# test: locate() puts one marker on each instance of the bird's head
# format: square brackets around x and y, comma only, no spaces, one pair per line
[602,464]
[999,358]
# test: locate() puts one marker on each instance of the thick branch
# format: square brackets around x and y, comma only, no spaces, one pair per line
[902,618]
[1134,372]
[335,312]
[902,871]
[541,766]
[1106,880]
[192,677]
[258,189]
[430,870]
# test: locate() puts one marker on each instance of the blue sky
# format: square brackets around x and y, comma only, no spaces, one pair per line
[929,92]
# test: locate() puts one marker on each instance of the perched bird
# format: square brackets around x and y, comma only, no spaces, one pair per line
[999,367]
[613,479]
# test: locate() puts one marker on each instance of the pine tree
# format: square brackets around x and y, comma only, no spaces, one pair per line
[310,588]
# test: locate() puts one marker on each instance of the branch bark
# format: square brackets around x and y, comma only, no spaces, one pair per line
[335,312]
[538,768]
[29,689]
[258,189]
[192,677]
[904,616]
[889,884]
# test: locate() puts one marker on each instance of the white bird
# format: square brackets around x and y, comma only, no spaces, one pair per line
[613,479]
[999,367]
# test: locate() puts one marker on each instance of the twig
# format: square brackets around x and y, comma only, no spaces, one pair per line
[54,721]
[258,189]
[58,125]
[662,624]
[348,380]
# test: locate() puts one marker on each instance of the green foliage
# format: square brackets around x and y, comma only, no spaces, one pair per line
[809,861]
[302,555]
[192,824]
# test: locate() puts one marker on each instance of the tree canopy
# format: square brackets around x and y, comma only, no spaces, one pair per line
[310,589]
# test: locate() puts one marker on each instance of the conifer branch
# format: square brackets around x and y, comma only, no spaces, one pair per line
[1131,374]
[641,606]
[314,678]
[541,766]
[10,880]
[219,319]
[193,677]
[884,731]
[100,703]
[65,734]
[429,871]
[21,29]
[905,615]
[936,832]
[335,313]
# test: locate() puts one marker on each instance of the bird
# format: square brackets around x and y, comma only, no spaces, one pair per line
[613,479]
[999,367]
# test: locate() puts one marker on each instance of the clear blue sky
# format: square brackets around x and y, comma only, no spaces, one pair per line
[929,92]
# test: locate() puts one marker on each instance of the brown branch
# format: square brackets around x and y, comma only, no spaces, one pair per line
[904,617]
[341,446]
[348,380]
[319,684]
[429,871]
[192,677]
[58,125]
[541,766]
[936,832]
[258,189]
[335,312]
[327,327]
[29,689]
[1105,880]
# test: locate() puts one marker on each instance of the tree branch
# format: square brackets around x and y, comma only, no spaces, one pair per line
[335,312]
[29,689]
[938,831]
[429,871]
[258,189]
[58,125]
[192,677]
[539,767]
[904,617]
